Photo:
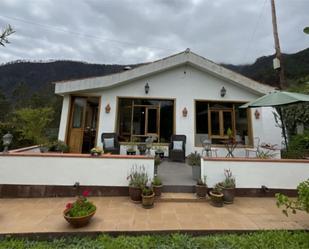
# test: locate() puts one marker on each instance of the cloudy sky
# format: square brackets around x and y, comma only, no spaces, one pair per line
[133,31]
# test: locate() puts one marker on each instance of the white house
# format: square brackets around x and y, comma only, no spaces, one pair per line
[180,94]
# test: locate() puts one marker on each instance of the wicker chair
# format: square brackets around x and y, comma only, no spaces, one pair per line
[177,154]
[116,148]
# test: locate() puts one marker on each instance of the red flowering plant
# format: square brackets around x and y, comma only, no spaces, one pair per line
[81,207]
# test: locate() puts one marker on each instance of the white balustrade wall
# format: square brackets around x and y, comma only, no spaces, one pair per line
[66,170]
[277,174]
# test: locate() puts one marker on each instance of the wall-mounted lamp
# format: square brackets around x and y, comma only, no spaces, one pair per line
[184,112]
[147,88]
[222,92]
[257,114]
[107,108]
[7,140]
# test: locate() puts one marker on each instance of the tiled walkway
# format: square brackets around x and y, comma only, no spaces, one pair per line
[120,214]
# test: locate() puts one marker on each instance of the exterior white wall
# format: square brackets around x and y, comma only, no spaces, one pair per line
[44,170]
[184,84]
[254,174]
[64,117]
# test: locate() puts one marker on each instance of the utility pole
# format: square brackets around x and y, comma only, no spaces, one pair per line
[278,62]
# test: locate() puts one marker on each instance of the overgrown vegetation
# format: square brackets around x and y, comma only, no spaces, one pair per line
[265,240]
[298,146]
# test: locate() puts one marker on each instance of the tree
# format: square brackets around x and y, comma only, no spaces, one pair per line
[4,107]
[306,30]
[4,35]
[33,122]
[302,202]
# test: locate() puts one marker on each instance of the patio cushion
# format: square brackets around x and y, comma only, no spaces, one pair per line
[177,145]
[109,143]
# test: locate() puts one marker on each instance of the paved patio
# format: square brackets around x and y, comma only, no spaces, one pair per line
[120,214]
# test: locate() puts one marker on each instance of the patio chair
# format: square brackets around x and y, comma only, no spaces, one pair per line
[210,151]
[110,143]
[255,149]
[177,148]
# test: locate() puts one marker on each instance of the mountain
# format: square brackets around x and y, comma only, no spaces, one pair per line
[22,79]
[296,67]
[37,76]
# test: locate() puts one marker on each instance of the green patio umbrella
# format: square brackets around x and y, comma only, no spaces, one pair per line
[278,99]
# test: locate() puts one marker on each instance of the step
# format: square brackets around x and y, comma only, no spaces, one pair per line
[178,189]
[180,197]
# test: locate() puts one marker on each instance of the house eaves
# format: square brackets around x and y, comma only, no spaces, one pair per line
[186,57]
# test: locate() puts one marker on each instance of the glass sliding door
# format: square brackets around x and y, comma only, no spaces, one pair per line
[140,118]
[213,119]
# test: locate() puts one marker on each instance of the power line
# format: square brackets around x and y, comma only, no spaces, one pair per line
[254,31]
[90,36]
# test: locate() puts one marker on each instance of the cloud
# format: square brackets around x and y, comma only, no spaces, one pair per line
[135,31]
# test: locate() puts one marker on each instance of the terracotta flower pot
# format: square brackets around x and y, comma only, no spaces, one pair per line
[148,200]
[216,198]
[78,221]
[135,194]
[157,189]
[201,190]
[228,195]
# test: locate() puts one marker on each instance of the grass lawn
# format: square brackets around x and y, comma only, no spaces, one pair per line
[263,240]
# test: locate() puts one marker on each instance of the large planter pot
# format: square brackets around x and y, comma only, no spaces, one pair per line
[196,172]
[148,200]
[78,221]
[157,190]
[135,194]
[228,195]
[216,198]
[201,190]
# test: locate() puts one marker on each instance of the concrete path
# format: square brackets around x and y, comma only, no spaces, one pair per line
[175,173]
[36,215]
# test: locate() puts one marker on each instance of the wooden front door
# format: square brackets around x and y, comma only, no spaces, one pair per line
[77,123]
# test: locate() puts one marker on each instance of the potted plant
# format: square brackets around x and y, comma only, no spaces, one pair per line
[148,197]
[58,146]
[131,150]
[96,151]
[159,151]
[142,149]
[157,162]
[194,159]
[137,181]
[201,187]
[80,212]
[228,187]
[216,196]
[157,186]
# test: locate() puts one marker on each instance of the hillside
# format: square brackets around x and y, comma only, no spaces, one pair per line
[296,67]
[21,80]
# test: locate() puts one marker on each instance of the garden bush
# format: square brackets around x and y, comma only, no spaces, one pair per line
[263,240]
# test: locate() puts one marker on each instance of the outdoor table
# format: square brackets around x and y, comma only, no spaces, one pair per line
[230,146]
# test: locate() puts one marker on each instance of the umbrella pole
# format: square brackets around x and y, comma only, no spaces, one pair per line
[283,128]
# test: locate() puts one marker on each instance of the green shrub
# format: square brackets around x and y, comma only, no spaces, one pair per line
[194,159]
[263,240]
[156,181]
[302,202]
[58,146]
[298,146]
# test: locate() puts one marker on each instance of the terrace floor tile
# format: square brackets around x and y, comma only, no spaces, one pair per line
[34,215]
